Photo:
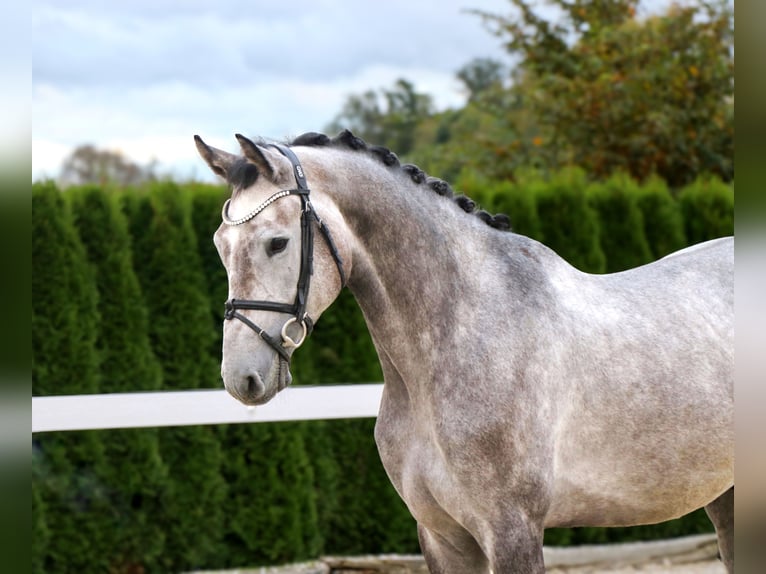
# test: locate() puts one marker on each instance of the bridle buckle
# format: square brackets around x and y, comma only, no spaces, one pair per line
[229,310]
[287,341]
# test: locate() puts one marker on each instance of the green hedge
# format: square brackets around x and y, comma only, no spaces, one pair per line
[137,474]
[128,295]
[70,470]
[181,334]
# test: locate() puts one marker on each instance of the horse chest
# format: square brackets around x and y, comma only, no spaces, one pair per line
[442,473]
[419,472]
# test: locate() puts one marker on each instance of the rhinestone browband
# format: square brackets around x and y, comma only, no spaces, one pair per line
[253,213]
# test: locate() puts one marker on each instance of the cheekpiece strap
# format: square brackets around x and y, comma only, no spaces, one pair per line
[300,177]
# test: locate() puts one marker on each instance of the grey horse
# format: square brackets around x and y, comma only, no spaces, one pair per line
[520,393]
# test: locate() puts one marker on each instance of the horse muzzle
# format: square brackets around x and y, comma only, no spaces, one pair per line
[251,387]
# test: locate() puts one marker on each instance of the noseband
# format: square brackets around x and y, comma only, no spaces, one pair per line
[298,308]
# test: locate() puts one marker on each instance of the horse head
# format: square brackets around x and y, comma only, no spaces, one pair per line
[280,278]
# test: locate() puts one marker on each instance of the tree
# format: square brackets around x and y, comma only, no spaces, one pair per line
[481,74]
[569,225]
[206,217]
[707,206]
[41,534]
[612,92]
[68,468]
[388,117]
[663,224]
[621,223]
[271,510]
[88,164]
[180,331]
[516,200]
[135,474]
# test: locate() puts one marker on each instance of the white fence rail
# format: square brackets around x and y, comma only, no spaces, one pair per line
[200,407]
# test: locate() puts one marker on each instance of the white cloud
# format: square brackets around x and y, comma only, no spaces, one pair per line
[157,122]
[314,40]
[47,157]
[144,76]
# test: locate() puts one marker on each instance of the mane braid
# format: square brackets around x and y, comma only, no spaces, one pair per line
[348,140]
[312,139]
[416,174]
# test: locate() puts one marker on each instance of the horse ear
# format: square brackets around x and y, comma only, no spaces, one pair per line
[218,160]
[257,156]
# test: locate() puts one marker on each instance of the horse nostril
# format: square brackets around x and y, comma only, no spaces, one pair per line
[247,388]
[252,386]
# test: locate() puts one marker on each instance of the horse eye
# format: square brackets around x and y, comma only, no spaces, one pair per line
[277,245]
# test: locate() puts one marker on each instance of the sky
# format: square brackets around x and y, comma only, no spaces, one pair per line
[142,77]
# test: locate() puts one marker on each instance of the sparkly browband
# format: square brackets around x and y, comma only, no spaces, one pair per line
[257,210]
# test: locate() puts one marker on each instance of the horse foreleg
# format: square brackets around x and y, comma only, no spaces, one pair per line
[516,548]
[454,553]
[721,513]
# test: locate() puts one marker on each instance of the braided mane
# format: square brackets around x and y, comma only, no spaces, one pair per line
[348,140]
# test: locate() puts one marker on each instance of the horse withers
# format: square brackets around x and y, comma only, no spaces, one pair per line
[520,393]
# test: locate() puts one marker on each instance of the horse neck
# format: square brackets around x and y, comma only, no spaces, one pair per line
[417,258]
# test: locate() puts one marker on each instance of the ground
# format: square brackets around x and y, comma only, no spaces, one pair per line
[688,555]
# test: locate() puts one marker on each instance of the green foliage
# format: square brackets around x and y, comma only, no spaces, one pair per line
[68,468]
[598,87]
[123,341]
[206,217]
[322,454]
[480,75]
[367,522]
[135,475]
[569,224]
[493,135]
[515,199]
[181,334]
[663,225]
[611,92]
[388,117]
[270,509]
[64,312]
[40,532]
[622,236]
[174,286]
[340,349]
[708,210]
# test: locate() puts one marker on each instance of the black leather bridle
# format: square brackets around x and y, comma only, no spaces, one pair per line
[298,307]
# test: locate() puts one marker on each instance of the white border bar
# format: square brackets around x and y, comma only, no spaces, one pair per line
[200,407]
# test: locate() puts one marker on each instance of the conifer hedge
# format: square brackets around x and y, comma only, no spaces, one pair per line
[128,295]
[180,331]
[621,223]
[68,469]
[708,210]
[137,475]
[569,224]
[663,223]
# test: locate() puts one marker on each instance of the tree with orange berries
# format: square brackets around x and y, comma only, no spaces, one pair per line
[611,91]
